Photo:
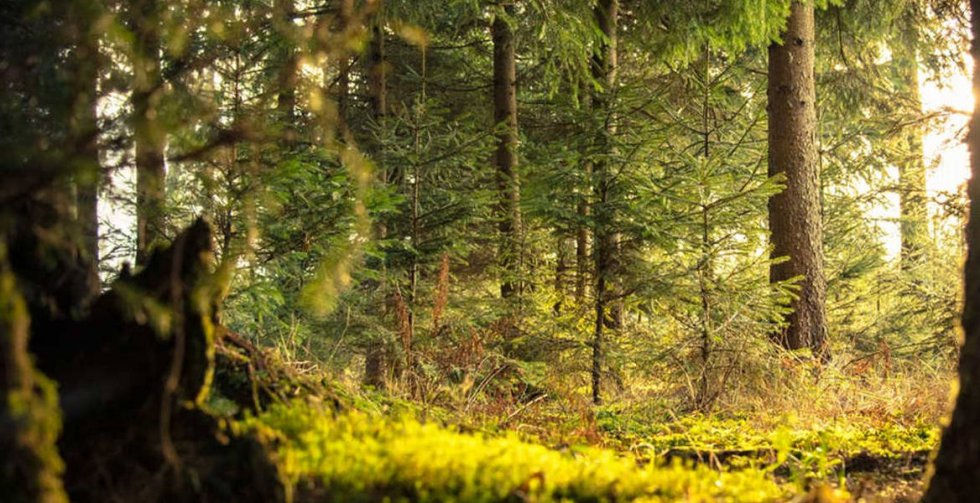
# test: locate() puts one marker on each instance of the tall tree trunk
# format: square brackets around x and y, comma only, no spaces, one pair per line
[375,363]
[561,272]
[149,135]
[505,158]
[957,464]
[583,260]
[286,79]
[604,71]
[912,201]
[794,214]
[85,131]
[343,78]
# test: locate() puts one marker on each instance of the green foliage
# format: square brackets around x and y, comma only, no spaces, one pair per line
[678,33]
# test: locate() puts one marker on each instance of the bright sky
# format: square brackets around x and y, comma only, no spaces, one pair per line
[943,148]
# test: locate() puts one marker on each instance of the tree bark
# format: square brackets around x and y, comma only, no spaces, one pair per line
[957,464]
[794,214]
[505,158]
[604,71]
[149,135]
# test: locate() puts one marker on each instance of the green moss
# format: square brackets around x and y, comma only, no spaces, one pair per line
[31,468]
[359,457]
[809,451]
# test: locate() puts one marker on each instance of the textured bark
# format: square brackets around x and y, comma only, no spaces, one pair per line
[606,241]
[957,464]
[505,158]
[148,134]
[794,214]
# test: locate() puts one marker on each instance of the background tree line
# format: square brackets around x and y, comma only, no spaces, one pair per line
[566,196]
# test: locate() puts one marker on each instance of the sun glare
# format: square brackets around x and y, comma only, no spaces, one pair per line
[945,152]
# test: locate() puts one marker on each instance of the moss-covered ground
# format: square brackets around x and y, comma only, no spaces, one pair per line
[362,453]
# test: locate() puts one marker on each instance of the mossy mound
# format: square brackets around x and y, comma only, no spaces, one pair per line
[354,456]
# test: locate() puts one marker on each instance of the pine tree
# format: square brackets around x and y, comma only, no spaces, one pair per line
[505,157]
[148,133]
[606,249]
[794,214]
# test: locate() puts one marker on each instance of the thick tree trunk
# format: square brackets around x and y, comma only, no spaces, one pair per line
[604,71]
[148,134]
[794,214]
[957,464]
[505,158]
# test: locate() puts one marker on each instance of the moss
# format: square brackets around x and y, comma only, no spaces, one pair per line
[806,450]
[31,422]
[354,456]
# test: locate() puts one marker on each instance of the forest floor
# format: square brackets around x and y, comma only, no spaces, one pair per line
[362,456]
[352,445]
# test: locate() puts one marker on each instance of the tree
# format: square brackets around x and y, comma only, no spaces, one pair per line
[794,214]
[957,464]
[606,239]
[376,67]
[149,135]
[287,76]
[914,213]
[83,125]
[505,156]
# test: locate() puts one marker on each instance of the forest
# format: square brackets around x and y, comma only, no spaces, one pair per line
[489,250]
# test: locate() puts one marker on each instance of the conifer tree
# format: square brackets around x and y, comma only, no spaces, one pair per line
[794,214]
[505,157]
[148,133]
[606,249]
